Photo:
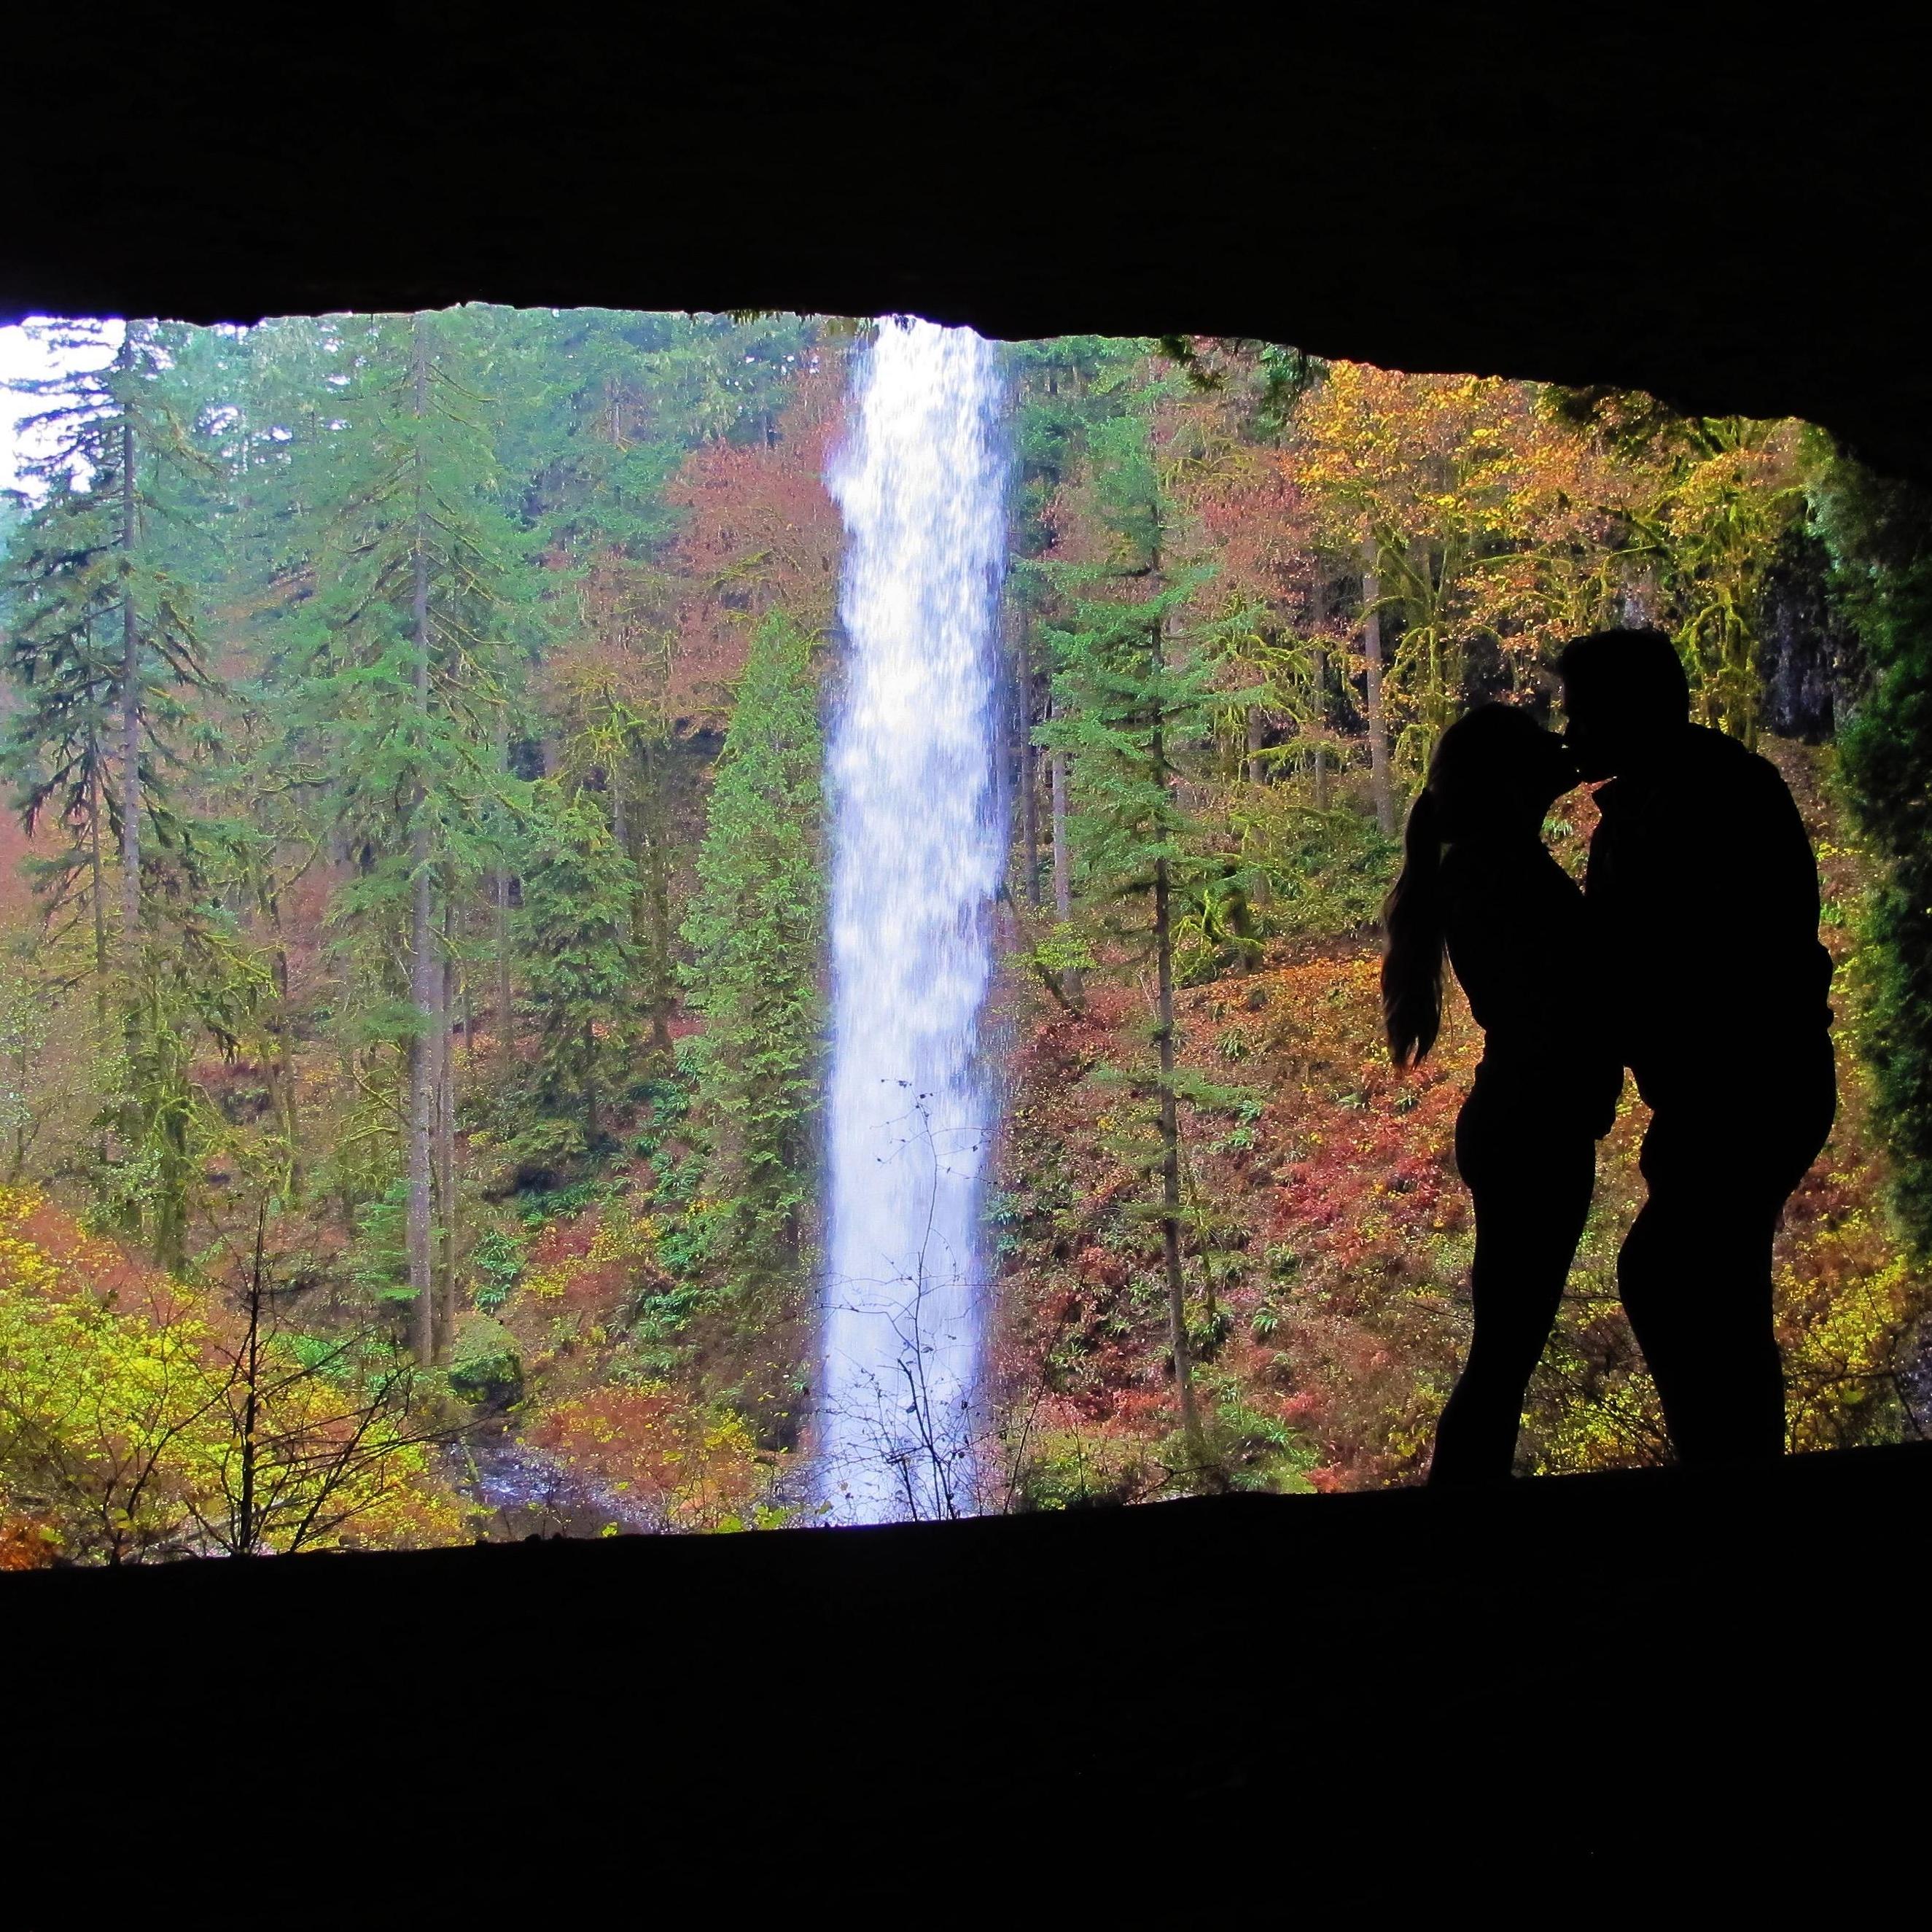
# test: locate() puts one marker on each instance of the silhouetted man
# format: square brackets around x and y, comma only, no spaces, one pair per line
[1702,893]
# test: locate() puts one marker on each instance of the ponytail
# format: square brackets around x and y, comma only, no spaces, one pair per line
[1413,918]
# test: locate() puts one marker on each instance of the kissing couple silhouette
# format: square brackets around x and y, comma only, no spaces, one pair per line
[1691,957]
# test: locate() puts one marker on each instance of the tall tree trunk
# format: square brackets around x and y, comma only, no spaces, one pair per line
[281,1051]
[130,707]
[446,1143]
[425,972]
[621,831]
[504,1015]
[1062,863]
[1441,677]
[1063,867]
[425,969]
[1257,744]
[246,1529]
[1023,720]
[1379,781]
[1258,890]
[100,890]
[503,1027]
[1170,1109]
[620,821]
[1170,1167]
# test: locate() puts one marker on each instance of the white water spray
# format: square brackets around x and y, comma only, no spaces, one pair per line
[917,857]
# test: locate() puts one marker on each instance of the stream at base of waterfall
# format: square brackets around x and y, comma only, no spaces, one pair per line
[918,846]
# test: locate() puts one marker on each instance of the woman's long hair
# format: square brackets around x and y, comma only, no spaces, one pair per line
[1494,772]
[1417,924]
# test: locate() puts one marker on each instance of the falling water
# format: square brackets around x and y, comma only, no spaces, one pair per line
[917,845]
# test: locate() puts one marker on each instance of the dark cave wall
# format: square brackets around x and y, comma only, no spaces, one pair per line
[1814,669]
[1651,199]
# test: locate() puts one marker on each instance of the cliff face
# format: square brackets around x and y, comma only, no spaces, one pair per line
[1813,670]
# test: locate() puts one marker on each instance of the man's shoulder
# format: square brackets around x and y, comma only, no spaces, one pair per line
[1718,750]
[1708,785]
[1715,761]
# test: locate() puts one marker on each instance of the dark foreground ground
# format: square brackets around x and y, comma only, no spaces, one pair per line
[1588,1699]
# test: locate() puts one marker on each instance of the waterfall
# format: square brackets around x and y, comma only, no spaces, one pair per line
[917,851]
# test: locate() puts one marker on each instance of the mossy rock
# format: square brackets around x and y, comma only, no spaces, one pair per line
[486,1369]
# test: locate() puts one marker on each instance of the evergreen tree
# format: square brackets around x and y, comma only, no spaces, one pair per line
[1880,533]
[401,673]
[1060,386]
[106,582]
[613,404]
[575,957]
[1131,691]
[105,645]
[755,931]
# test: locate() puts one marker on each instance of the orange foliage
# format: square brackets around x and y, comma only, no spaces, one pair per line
[760,532]
[72,1263]
[1242,510]
[620,652]
[657,643]
[26,1542]
[588,1265]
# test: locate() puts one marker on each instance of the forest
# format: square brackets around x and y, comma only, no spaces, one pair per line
[413,1037]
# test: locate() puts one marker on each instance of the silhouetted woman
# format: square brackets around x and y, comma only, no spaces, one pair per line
[1477,881]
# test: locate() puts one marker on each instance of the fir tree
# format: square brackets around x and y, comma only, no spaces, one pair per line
[401,680]
[575,957]
[1880,533]
[105,647]
[1130,691]
[105,586]
[755,931]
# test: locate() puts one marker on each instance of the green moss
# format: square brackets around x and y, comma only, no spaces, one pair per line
[486,1368]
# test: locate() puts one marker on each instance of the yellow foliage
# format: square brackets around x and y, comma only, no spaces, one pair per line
[685,1464]
[121,1415]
